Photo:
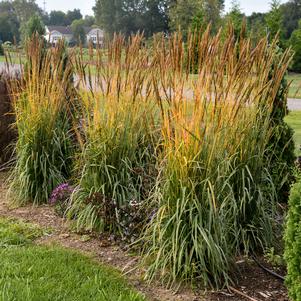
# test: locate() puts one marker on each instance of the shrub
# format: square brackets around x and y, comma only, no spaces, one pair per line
[293,244]
[281,143]
[43,150]
[7,133]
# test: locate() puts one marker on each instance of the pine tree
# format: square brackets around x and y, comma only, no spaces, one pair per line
[274,21]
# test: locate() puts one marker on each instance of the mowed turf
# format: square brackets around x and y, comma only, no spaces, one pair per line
[294,120]
[36,273]
[294,79]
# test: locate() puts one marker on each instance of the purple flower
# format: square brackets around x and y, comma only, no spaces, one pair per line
[61,194]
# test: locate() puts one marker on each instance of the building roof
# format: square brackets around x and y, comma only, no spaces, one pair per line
[67,30]
[60,29]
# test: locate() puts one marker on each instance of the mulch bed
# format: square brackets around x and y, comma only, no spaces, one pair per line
[252,283]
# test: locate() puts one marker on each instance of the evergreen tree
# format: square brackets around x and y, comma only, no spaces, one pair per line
[35,25]
[281,143]
[274,21]
[235,17]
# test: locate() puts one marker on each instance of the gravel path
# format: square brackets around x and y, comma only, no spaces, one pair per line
[294,104]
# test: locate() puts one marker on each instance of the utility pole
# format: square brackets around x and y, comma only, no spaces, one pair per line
[44,3]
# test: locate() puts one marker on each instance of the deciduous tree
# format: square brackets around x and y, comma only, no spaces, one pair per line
[295,42]
[291,12]
[130,16]
[73,15]
[57,17]
[78,28]
[9,24]
[25,9]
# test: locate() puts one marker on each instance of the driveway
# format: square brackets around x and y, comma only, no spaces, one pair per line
[14,68]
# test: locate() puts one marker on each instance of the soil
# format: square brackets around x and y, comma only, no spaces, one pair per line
[252,283]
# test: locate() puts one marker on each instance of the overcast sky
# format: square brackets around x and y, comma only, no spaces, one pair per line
[248,6]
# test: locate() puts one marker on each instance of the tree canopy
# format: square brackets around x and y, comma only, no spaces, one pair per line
[131,16]
[34,25]
[78,28]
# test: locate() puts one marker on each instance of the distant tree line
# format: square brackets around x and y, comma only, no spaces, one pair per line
[153,16]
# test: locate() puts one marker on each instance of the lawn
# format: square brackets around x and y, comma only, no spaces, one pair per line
[295,86]
[294,120]
[38,273]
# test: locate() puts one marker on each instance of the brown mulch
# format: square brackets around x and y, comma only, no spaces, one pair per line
[252,281]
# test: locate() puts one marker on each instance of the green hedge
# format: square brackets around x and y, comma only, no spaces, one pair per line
[293,243]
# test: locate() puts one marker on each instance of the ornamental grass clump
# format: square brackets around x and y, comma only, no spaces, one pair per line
[214,193]
[43,149]
[117,133]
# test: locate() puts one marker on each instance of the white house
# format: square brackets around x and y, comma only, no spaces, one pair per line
[95,35]
[56,33]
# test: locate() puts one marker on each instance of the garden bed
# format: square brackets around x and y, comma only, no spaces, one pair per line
[251,280]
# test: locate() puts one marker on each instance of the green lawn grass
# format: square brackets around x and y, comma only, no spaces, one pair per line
[17,233]
[294,120]
[38,273]
[14,58]
[295,86]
